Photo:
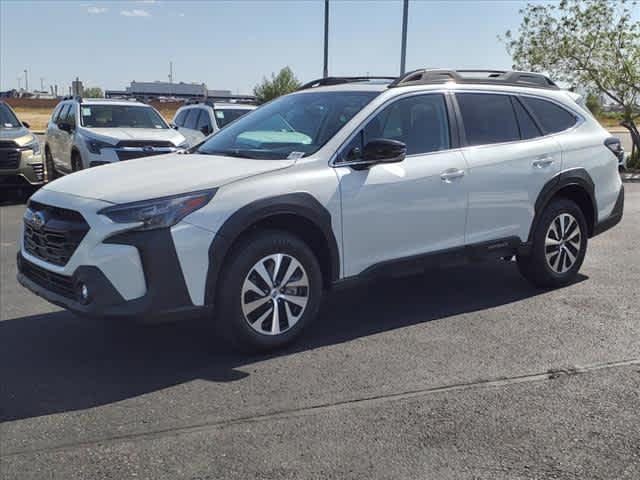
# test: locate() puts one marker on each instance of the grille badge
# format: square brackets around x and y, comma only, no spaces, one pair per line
[37,220]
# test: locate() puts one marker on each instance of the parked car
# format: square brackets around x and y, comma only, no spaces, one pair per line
[88,132]
[20,153]
[200,119]
[343,181]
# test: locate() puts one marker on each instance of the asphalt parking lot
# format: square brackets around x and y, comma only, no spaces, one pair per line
[462,373]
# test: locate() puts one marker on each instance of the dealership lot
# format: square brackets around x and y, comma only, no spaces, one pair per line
[462,373]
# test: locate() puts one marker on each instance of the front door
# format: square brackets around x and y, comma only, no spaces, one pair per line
[418,206]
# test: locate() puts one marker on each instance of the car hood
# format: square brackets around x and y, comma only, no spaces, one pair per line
[138,134]
[13,133]
[160,176]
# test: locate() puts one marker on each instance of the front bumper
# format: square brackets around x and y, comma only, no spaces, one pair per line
[29,171]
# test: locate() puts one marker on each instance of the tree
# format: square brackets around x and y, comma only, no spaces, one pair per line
[93,92]
[281,84]
[593,103]
[591,43]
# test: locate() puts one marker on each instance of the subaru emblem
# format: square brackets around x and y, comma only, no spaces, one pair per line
[37,220]
[148,149]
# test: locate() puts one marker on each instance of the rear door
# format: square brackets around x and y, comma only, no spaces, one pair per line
[66,138]
[510,160]
[57,135]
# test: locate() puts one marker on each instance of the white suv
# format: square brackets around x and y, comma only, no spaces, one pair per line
[200,119]
[344,180]
[89,132]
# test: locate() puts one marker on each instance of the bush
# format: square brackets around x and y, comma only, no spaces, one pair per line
[633,162]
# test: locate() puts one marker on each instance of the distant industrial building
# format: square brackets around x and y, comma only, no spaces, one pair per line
[158,90]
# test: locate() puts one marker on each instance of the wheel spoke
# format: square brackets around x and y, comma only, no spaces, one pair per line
[570,256]
[257,324]
[551,241]
[260,269]
[300,301]
[276,269]
[275,320]
[251,306]
[249,286]
[293,266]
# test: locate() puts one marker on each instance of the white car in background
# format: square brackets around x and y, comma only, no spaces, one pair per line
[200,119]
[86,133]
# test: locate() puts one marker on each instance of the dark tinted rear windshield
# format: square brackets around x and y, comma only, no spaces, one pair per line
[7,118]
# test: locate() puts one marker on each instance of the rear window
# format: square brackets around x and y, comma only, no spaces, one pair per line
[551,117]
[225,116]
[488,118]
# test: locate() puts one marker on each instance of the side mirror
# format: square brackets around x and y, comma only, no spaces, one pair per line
[173,125]
[26,125]
[382,150]
[64,126]
[206,130]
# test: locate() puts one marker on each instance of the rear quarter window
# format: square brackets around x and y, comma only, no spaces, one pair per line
[550,116]
[179,120]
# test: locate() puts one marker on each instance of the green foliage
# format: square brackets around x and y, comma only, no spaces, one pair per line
[593,103]
[92,92]
[281,84]
[589,43]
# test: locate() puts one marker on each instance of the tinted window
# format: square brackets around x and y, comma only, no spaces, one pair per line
[192,119]
[63,113]
[71,115]
[528,128]
[204,122]
[56,113]
[291,126]
[120,116]
[225,116]
[179,120]
[7,118]
[552,117]
[488,118]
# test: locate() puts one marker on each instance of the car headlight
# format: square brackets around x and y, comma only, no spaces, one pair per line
[33,145]
[160,212]
[95,146]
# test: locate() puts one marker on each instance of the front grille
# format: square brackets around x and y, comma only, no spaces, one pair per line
[57,238]
[9,158]
[8,144]
[131,154]
[144,143]
[54,282]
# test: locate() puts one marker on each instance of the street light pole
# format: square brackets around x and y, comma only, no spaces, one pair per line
[325,71]
[403,52]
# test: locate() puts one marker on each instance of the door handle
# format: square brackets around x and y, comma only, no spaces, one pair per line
[451,174]
[543,162]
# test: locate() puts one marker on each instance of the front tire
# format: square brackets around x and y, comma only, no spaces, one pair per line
[76,162]
[559,245]
[269,290]
[52,173]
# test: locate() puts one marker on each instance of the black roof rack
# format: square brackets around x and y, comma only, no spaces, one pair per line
[488,77]
[322,82]
[78,98]
[237,99]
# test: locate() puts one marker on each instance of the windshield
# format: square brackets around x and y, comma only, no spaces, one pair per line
[7,118]
[292,126]
[225,116]
[120,116]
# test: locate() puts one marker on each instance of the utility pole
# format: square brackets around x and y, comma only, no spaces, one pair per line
[403,53]
[170,72]
[26,80]
[325,71]
[19,82]
[42,84]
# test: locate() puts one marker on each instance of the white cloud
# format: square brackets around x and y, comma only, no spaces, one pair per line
[135,13]
[96,10]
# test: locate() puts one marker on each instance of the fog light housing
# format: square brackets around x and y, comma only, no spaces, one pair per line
[82,292]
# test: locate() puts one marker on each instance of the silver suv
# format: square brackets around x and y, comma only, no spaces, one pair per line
[89,132]
[200,119]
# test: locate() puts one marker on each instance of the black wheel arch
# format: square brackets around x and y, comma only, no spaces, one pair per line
[297,213]
[575,184]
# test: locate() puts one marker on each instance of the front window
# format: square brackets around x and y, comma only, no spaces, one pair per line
[224,116]
[7,118]
[120,116]
[289,127]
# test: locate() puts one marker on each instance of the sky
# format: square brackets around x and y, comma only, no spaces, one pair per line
[232,45]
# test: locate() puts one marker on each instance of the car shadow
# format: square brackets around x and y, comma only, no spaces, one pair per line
[16,196]
[57,362]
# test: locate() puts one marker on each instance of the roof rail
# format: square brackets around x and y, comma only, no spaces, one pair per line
[487,77]
[321,82]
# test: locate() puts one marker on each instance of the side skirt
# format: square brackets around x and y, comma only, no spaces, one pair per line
[417,264]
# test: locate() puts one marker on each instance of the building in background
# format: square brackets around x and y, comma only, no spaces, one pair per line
[173,91]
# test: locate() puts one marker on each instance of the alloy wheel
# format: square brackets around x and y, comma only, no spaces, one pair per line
[275,294]
[562,243]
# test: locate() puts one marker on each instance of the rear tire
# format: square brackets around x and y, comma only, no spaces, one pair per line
[559,245]
[268,291]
